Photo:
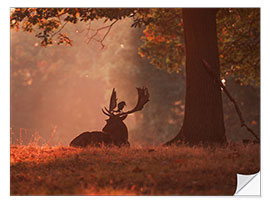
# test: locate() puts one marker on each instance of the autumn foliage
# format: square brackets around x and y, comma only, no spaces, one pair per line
[238,31]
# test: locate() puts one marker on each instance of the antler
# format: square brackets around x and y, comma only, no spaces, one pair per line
[113,103]
[107,113]
[143,98]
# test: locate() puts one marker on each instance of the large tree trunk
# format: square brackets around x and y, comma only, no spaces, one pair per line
[203,120]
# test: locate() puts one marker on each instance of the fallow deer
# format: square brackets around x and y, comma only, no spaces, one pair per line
[115,131]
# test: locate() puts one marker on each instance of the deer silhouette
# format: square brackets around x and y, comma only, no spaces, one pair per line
[115,131]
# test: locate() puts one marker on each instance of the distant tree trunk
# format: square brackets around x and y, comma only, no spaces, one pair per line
[203,120]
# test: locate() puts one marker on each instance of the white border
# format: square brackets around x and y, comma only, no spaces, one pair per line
[138,3]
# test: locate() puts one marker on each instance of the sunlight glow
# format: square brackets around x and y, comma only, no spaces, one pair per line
[223,81]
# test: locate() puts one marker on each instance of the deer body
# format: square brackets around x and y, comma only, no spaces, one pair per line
[115,131]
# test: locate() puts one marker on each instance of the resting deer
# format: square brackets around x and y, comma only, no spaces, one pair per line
[115,131]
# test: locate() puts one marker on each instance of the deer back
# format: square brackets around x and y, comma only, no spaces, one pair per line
[94,138]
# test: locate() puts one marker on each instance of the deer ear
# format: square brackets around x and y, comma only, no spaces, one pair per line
[123,117]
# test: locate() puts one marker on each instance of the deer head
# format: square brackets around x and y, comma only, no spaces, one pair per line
[115,126]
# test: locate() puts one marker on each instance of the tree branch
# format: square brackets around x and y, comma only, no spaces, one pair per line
[216,78]
[108,27]
[60,29]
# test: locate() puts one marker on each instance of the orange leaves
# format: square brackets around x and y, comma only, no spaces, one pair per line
[154,37]
[64,39]
[163,40]
[149,35]
[221,39]
[238,43]
[141,54]
[253,122]
[178,102]
[77,12]
[160,39]
[224,30]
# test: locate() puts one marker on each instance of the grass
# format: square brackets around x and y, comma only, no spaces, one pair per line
[130,171]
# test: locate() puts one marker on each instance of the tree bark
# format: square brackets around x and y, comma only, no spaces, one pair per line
[203,121]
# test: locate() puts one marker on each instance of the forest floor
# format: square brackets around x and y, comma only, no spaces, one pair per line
[130,171]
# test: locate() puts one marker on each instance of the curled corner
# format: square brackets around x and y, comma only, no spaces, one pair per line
[248,184]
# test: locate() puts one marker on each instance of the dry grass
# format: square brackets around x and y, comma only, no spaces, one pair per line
[130,171]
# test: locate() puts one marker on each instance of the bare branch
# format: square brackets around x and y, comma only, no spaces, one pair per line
[108,27]
[88,30]
[60,29]
[216,78]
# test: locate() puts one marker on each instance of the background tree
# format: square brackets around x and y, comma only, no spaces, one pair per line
[236,27]
[49,21]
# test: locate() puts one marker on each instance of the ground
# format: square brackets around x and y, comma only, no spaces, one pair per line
[171,170]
